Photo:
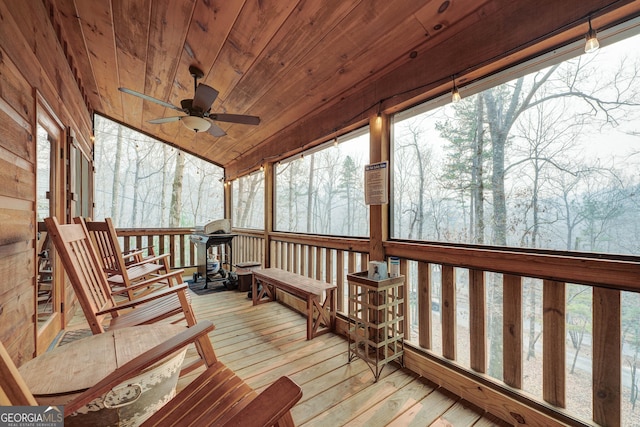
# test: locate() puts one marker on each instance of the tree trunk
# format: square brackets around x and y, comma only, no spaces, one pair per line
[165,174]
[115,189]
[310,192]
[176,192]
[478,174]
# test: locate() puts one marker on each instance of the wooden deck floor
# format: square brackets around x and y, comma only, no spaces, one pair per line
[264,342]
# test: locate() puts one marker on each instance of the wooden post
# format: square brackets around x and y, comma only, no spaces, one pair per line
[268,212]
[379,131]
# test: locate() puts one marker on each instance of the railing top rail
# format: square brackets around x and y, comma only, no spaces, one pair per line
[154,231]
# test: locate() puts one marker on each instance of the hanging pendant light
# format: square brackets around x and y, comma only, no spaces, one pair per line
[455,94]
[592,43]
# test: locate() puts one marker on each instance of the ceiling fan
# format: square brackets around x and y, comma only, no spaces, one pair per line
[199,116]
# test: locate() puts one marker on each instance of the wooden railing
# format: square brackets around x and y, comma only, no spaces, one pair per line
[458,358]
[446,283]
[164,240]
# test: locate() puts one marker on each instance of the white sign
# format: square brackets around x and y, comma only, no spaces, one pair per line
[376,183]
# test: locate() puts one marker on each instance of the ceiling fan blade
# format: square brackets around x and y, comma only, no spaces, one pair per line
[217,131]
[165,120]
[148,98]
[236,118]
[204,97]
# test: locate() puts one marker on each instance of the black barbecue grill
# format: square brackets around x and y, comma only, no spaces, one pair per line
[204,250]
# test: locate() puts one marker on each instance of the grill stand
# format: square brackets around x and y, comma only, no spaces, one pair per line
[204,244]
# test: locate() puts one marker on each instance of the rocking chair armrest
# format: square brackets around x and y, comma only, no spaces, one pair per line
[150,297]
[152,281]
[132,253]
[153,258]
[269,406]
[136,365]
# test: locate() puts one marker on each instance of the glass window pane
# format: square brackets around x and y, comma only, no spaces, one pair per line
[248,201]
[322,192]
[142,182]
[546,160]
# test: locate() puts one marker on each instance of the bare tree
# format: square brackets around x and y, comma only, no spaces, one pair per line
[176,192]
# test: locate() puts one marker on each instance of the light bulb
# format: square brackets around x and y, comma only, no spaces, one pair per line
[455,95]
[592,43]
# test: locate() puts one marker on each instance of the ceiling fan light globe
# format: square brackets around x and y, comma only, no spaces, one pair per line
[195,123]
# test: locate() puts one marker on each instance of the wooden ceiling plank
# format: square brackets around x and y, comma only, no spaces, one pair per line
[72,33]
[98,33]
[167,33]
[211,24]
[349,50]
[251,33]
[209,29]
[308,24]
[131,25]
[239,51]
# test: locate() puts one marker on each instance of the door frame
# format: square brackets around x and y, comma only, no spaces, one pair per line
[46,333]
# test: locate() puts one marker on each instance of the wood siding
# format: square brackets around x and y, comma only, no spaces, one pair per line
[32,62]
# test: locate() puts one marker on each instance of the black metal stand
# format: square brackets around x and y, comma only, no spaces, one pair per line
[203,249]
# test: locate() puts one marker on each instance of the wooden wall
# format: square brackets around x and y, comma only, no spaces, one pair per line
[32,65]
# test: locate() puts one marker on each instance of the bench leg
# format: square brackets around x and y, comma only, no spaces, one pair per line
[268,290]
[326,314]
[310,326]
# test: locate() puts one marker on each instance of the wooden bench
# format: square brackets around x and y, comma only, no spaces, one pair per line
[311,290]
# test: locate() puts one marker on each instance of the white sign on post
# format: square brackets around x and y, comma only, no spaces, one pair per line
[376,183]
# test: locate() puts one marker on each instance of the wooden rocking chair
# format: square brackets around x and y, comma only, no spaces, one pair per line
[125,269]
[217,397]
[76,251]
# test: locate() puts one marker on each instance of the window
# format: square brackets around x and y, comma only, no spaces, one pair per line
[322,191]
[546,160]
[142,182]
[248,201]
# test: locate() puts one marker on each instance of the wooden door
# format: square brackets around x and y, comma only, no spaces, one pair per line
[49,286]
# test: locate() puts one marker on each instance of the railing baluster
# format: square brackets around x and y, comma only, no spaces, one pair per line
[424,304]
[310,258]
[448,312]
[477,321]
[512,330]
[405,325]
[296,259]
[181,248]
[318,273]
[340,279]
[606,357]
[328,265]
[162,245]
[553,343]
[172,249]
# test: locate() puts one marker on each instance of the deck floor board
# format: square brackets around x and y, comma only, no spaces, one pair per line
[261,343]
